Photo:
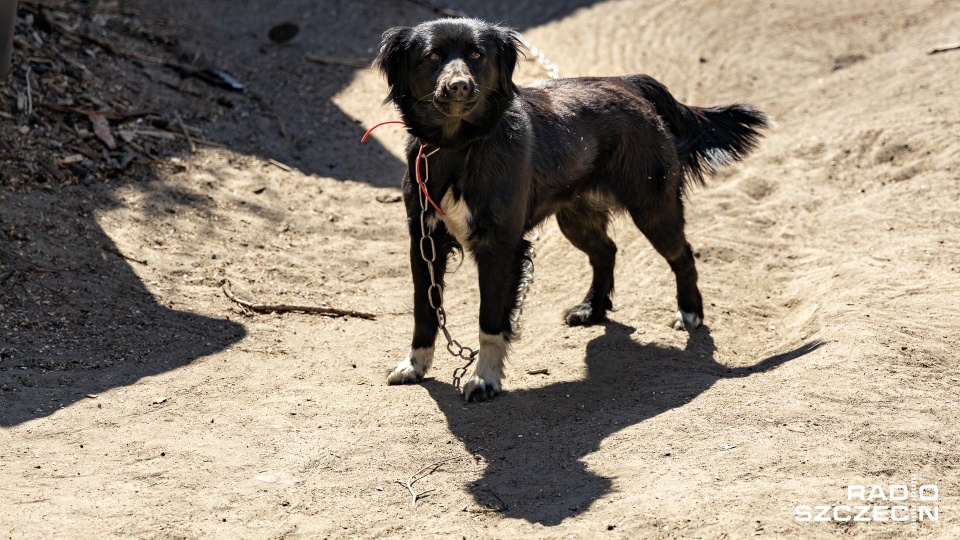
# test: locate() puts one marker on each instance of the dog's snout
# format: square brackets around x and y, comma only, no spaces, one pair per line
[460,88]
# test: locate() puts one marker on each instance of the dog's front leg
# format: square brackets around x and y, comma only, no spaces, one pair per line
[500,269]
[425,324]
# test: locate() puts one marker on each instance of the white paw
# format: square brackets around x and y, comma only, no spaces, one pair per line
[688,321]
[413,368]
[478,389]
[406,372]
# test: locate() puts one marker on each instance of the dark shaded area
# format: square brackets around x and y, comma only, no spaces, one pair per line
[75,319]
[288,114]
[535,440]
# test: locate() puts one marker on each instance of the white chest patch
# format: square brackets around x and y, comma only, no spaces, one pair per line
[458,218]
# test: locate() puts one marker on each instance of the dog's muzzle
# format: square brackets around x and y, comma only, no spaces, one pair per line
[459,89]
[456,96]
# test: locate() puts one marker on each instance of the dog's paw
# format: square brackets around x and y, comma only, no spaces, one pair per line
[406,372]
[412,369]
[583,315]
[478,389]
[687,321]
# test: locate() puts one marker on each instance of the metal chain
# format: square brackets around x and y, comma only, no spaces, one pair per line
[552,71]
[426,242]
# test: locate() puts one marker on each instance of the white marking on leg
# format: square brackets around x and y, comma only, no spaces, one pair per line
[493,354]
[686,320]
[485,382]
[412,369]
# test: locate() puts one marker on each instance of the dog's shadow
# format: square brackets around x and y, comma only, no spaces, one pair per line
[533,441]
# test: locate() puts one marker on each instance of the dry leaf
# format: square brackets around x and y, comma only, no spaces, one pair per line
[102,129]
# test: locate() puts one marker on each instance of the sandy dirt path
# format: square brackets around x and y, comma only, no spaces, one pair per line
[138,402]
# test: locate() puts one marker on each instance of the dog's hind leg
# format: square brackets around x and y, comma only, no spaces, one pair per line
[664,229]
[500,268]
[584,223]
[420,357]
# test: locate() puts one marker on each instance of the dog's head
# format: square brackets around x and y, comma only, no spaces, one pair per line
[450,70]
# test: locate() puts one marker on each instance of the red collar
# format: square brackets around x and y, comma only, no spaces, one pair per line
[422,181]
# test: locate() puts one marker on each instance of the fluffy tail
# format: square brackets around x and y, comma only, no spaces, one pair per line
[706,138]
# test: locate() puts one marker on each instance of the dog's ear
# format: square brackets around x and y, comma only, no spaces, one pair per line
[393,59]
[508,44]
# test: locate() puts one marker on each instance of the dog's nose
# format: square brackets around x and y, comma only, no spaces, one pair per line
[459,88]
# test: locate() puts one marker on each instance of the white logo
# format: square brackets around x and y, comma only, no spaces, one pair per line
[895,502]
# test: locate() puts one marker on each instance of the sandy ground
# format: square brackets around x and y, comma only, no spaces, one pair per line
[137,401]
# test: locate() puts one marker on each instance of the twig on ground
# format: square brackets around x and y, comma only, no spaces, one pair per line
[281,308]
[944,48]
[170,135]
[10,256]
[339,61]
[110,46]
[541,371]
[50,4]
[118,253]
[279,165]
[108,114]
[211,144]
[186,134]
[49,166]
[29,92]
[81,67]
[417,476]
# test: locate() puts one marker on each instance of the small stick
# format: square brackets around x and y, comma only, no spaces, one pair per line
[118,253]
[170,135]
[108,114]
[49,166]
[280,308]
[542,371]
[211,144]
[415,477]
[351,62]
[186,134]
[10,255]
[29,93]
[81,67]
[944,48]
[279,165]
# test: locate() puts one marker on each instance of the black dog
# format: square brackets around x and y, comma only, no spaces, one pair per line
[506,158]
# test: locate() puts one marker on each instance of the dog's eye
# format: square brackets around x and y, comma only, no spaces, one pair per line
[432,56]
[475,55]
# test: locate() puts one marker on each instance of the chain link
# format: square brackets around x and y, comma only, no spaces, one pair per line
[436,301]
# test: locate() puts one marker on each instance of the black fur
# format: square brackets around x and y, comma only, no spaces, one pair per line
[578,148]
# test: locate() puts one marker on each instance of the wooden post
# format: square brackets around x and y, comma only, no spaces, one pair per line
[8,22]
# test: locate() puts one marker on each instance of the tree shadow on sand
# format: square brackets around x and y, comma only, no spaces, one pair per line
[289,110]
[75,318]
[534,441]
